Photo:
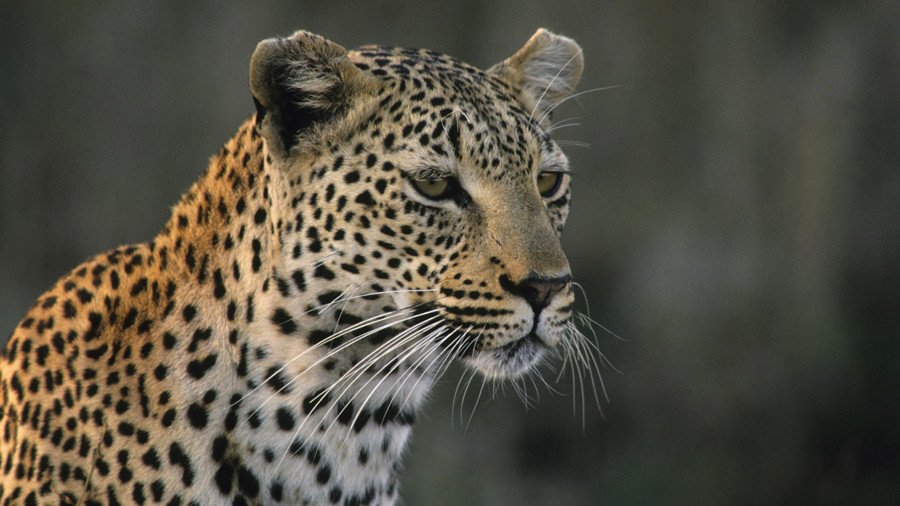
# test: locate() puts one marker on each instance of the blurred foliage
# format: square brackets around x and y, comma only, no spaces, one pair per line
[734,219]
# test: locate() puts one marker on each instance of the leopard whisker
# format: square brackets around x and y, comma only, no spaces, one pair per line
[446,355]
[561,126]
[558,103]
[520,388]
[314,408]
[584,297]
[323,307]
[424,372]
[546,384]
[581,361]
[564,123]
[389,347]
[370,294]
[593,366]
[463,345]
[555,77]
[462,401]
[328,355]
[537,391]
[592,344]
[442,353]
[415,348]
[462,378]
[573,372]
[369,321]
[562,352]
[459,347]
[396,363]
[295,378]
[358,370]
[477,401]
[340,298]
[320,262]
[591,322]
[570,143]
[385,349]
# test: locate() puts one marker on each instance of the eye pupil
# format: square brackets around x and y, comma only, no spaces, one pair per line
[548,183]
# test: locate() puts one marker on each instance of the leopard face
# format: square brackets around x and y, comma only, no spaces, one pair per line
[438,188]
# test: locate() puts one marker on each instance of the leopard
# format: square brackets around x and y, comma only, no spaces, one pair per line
[386,212]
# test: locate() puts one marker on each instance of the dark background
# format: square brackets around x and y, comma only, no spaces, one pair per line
[735,220]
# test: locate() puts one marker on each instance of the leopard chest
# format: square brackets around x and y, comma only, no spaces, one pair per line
[304,448]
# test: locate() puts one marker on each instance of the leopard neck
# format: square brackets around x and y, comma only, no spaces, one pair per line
[268,337]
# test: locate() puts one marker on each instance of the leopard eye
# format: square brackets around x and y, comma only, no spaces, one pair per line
[548,183]
[433,188]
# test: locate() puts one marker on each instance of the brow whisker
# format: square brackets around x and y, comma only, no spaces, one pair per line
[547,88]
[558,103]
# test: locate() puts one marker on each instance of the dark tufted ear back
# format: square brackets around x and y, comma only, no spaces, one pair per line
[545,70]
[299,85]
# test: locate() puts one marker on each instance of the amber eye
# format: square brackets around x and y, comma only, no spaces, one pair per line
[548,183]
[433,188]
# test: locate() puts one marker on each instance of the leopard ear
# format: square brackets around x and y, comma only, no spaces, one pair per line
[545,71]
[301,84]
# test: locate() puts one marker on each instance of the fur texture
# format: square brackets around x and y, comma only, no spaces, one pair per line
[274,343]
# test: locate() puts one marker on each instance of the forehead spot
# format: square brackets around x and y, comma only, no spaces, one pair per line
[444,117]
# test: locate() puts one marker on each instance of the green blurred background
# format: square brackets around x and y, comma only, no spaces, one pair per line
[735,220]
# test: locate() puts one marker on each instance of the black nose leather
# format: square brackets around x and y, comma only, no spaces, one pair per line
[537,291]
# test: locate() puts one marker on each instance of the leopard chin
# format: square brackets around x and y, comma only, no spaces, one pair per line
[510,361]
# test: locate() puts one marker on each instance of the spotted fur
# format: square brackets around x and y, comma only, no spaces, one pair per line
[275,341]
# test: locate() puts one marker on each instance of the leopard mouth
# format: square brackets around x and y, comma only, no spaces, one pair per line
[507,361]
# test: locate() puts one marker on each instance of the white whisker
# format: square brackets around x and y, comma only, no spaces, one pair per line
[447,353]
[555,77]
[337,320]
[415,348]
[397,364]
[330,354]
[321,398]
[322,343]
[561,126]
[550,109]
[477,400]
[575,144]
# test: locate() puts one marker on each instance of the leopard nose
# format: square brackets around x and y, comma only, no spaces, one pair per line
[536,290]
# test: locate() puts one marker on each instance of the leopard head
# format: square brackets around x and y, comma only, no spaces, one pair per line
[417,182]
